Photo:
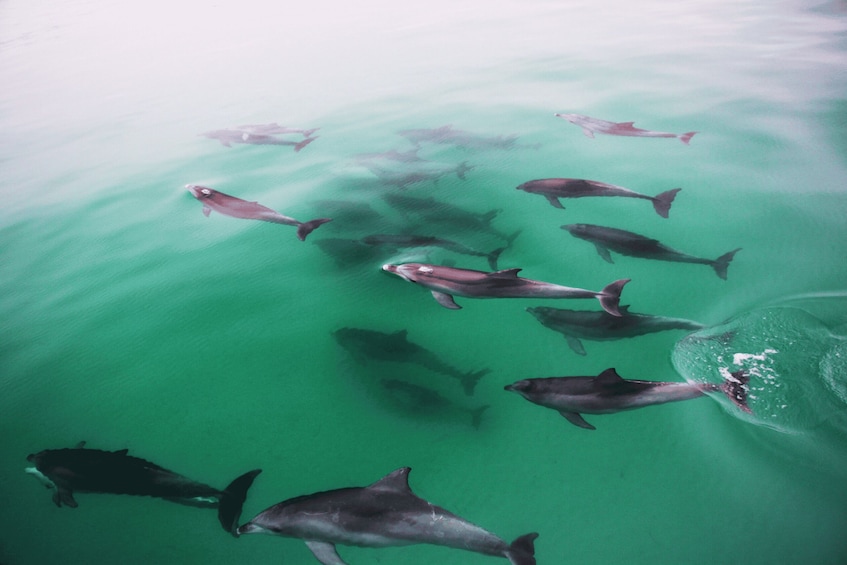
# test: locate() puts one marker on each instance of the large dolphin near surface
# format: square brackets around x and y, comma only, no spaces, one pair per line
[590,126]
[444,282]
[635,245]
[237,208]
[608,393]
[384,514]
[555,188]
[114,472]
[602,326]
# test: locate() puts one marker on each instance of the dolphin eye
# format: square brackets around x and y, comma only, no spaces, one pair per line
[424,269]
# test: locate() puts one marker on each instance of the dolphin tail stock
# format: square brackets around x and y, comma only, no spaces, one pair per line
[493,257]
[476,416]
[303,144]
[662,202]
[522,550]
[610,297]
[310,132]
[469,380]
[721,264]
[232,500]
[736,389]
[686,137]
[305,228]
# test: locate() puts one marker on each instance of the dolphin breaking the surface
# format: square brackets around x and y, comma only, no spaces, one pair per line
[384,514]
[590,126]
[115,472]
[635,245]
[444,282]
[555,188]
[608,393]
[237,208]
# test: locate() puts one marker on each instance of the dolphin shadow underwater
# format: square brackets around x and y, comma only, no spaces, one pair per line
[608,393]
[384,514]
[114,472]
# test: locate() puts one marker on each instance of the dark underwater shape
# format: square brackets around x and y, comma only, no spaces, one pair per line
[347,252]
[384,514]
[411,172]
[416,398]
[608,393]
[401,241]
[238,208]
[114,472]
[460,138]
[555,188]
[444,282]
[635,245]
[229,136]
[602,326]
[590,126]
[365,345]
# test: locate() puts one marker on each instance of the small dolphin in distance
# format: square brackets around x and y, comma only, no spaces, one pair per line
[384,514]
[115,472]
[229,136]
[237,208]
[555,188]
[444,282]
[590,126]
[635,245]
[608,393]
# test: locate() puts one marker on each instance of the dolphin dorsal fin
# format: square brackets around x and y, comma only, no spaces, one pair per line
[627,124]
[505,274]
[400,334]
[80,445]
[609,377]
[397,481]
[122,451]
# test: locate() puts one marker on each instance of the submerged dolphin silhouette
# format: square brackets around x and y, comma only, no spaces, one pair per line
[590,126]
[608,393]
[553,189]
[384,514]
[410,240]
[115,472]
[237,208]
[444,282]
[635,245]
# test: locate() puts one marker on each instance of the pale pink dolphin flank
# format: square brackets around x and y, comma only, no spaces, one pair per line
[444,282]
[590,126]
[238,208]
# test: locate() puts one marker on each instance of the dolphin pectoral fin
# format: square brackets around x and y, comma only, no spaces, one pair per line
[64,496]
[577,420]
[604,253]
[325,552]
[554,201]
[445,300]
[588,133]
[206,211]
[576,345]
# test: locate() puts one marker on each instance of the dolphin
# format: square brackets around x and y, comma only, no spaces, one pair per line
[553,189]
[608,393]
[275,129]
[422,399]
[444,282]
[448,135]
[590,126]
[384,514]
[405,241]
[395,347]
[415,171]
[114,472]
[229,136]
[238,208]
[601,326]
[635,245]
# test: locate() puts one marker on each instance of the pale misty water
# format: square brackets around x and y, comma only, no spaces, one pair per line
[129,320]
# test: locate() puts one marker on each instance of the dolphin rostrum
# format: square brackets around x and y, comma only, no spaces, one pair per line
[238,208]
[384,514]
[635,245]
[553,189]
[590,126]
[444,282]
[608,393]
[601,326]
[395,347]
[115,472]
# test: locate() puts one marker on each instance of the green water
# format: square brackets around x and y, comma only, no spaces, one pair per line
[129,320]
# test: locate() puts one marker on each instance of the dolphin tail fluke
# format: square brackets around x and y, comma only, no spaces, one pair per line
[686,137]
[610,297]
[469,380]
[232,500]
[306,228]
[721,264]
[522,550]
[303,144]
[476,416]
[662,202]
[736,389]
[462,169]
[493,257]
[310,132]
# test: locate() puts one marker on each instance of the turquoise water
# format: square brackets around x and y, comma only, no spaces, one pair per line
[130,320]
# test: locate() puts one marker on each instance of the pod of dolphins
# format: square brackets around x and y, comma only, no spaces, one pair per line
[387,512]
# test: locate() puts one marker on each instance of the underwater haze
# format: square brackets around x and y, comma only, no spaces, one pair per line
[216,345]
